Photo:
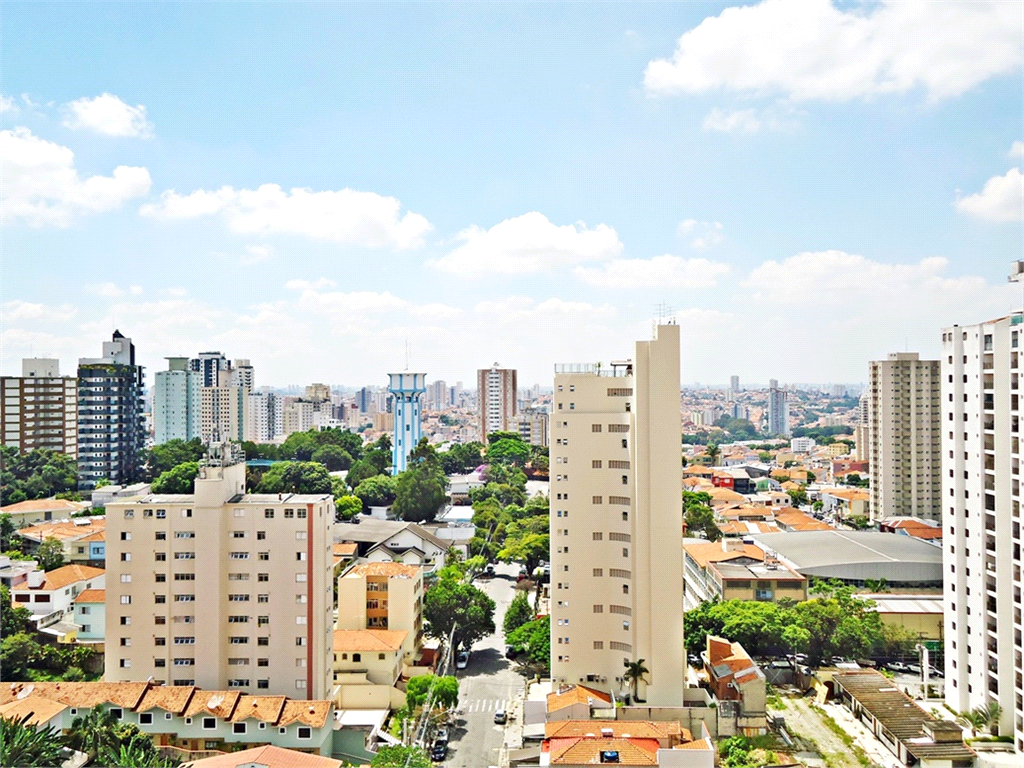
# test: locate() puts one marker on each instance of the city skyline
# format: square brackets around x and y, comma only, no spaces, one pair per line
[464,177]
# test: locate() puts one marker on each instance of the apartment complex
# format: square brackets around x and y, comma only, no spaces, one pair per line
[209,365]
[981,490]
[616,522]
[532,424]
[904,437]
[386,595]
[111,430]
[40,408]
[264,416]
[176,401]
[496,399]
[778,411]
[220,588]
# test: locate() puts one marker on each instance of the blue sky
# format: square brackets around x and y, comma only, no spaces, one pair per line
[809,185]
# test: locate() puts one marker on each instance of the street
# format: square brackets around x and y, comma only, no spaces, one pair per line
[487,684]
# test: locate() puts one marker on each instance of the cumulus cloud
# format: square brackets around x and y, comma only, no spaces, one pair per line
[107,115]
[661,271]
[112,290]
[811,49]
[702,234]
[1017,149]
[7,104]
[42,186]
[18,310]
[343,216]
[526,244]
[734,121]
[1001,199]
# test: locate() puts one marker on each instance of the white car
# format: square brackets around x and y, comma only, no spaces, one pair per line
[462,660]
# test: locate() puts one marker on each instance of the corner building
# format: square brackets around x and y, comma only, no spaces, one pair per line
[616,523]
[221,589]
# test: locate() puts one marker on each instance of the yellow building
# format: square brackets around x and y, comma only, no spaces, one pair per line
[383,596]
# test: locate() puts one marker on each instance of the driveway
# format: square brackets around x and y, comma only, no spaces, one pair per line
[487,684]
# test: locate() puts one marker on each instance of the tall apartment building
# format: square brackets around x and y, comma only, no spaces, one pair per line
[177,402]
[496,399]
[438,396]
[111,426]
[221,589]
[904,437]
[243,374]
[981,376]
[209,365]
[222,408]
[734,384]
[264,417]
[40,408]
[532,424]
[778,411]
[616,522]
[386,595]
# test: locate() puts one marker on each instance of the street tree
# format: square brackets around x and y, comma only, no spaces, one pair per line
[399,756]
[451,604]
[334,457]
[519,612]
[376,491]
[296,477]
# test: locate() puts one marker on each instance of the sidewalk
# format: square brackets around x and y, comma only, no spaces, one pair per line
[513,735]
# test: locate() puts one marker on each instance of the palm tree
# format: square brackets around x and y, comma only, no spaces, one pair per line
[713,452]
[95,733]
[635,672]
[975,719]
[22,744]
[877,585]
[990,713]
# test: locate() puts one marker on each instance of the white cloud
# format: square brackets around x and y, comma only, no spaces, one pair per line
[811,49]
[342,216]
[18,310]
[659,272]
[107,115]
[1001,199]
[739,121]
[526,244]
[1017,149]
[7,104]
[41,185]
[705,233]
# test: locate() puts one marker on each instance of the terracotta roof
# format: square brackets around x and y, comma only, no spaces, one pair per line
[384,569]
[851,494]
[171,698]
[311,712]
[745,527]
[576,694]
[86,695]
[369,639]
[272,757]
[796,520]
[640,729]
[265,708]
[217,703]
[38,709]
[98,536]
[92,596]
[588,751]
[698,744]
[45,505]
[62,577]
[713,553]
[725,496]
[344,549]
[62,529]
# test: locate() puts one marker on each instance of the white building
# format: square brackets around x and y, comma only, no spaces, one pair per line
[264,419]
[177,403]
[496,399]
[981,496]
[616,522]
[904,437]
[51,592]
[802,444]
[778,411]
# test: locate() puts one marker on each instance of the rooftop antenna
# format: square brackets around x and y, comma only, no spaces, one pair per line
[664,314]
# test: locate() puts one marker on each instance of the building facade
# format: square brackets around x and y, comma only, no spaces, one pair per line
[111,426]
[904,437]
[264,418]
[981,519]
[407,390]
[209,365]
[496,399]
[221,589]
[616,522]
[533,426]
[40,408]
[177,403]
[778,412]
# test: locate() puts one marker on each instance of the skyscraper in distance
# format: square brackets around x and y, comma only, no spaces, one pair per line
[734,384]
[778,411]
[497,399]
[177,402]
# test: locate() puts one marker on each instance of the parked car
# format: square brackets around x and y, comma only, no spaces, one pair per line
[500,716]
[462,660]
[510,652]
[489,570]
[441,735]
[439,751]
[914,669]
[897,666]
[933,672]
[694,660]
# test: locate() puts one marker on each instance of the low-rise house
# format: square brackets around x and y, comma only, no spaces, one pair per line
[91,615]
[575,702]
[15,572]
[734,677]
[111,493]
[367,665]
[42,510]
[791,519]
[393,540]
[77,536]
[343,555]
[385,595]
[926,530]
[914,736]
[265,757]
[633,743]
[50,595]
[846,502]
[184,719]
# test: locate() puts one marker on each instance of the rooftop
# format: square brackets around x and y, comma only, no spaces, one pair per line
[575,694]
[584,751]
[714,553]
[62,577]
[65,529]
[641,729]
[269,756]
[820,548]
[369,639]
[400,570]
[45,505]
[92,596]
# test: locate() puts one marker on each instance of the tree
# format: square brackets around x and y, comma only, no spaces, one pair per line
[974,719]
[36,474]
[18,654]
[713,452]
[507,451]
[529,549]
[347,507]
[796,638]
[419,494]
[452,604]
[401,757]
[699,516]
[13,620]
[296,477]
[534,639]
[166,456]
[634,674]
[461,458]
[359,471]
[50,554]
[334,457]
[498,435]
[797,496]
[377,491]
[877,585]
[22,744]
[7,529]
[519,613]
[443,691]
[94,733]
[180,479]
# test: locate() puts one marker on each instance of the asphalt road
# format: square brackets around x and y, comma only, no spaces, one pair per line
[488,683]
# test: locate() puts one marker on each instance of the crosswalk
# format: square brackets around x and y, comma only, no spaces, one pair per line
[482,705]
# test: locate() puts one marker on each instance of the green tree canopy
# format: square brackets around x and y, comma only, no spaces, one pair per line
[334,457]
[27,745]
[452,603]
[699,516]
[508,451]
[401,757]
[461,458]
[519,612]
[50,553]
[36,474]
[420,490]
[376,491]
[296,477]
[528,548]
[180,479]
[166,456]
[534,639]
[347,507]
[499,435]
[13,620]
[444,690]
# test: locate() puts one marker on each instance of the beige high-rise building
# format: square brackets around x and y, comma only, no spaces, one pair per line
[40,408]
[496,399]
[222,409]
[616,522]
[905,437]
[221,589]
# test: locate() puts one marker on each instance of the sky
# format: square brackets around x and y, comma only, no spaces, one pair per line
[330,189]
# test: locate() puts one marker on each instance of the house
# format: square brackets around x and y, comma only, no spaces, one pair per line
[846,502]
[185,719]
[792,519]
[265,757]
[926,530]
[343,554]
[385,595]
[91,615]
[380,540]
[367,665]
[914,736]
[49,595]
[732,569]
[42,510]
[575,744]
[734,677]
[78,536]
[15,572]
[575,702]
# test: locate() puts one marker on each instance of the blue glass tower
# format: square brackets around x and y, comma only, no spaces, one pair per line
[406,389]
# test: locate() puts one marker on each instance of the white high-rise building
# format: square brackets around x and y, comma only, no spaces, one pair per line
[177,403]
[496,399]
[209,365]
[861,429]
[904,437]
[778,411]
[264,419]
[734,384]
[243,375]
[981,376]
[221,589]
[616,522]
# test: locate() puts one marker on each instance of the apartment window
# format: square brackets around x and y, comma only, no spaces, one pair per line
[599,571]
[160,577]
[126,599]
[300,619]
[263,598]
[146,513]
[129,514]
[156,619]
[289,513]
[238,577]
[262,641]
[239,513]
[300,577]
[268,513]
[261,535]
[125,642]
[184,555]
[236,640]
[238,598]
[184,641]
[625,551]
[263,577]
[126,557]
[238,534]
[161,557]
[598,609]
[184,534]
[126,663]
[300,535]
[161,514]
[126,578]
[304,731]
[596,464]
[300,514]
[302,641]
[595,427]
[186,513]
[240,556]
[238,662]
[184,577]
[209,723]
[159,598]
[238,619]
[238,727]
[262,662]
[159,662]
[625,479]
[599,645]
[126,620]
[625,515]
[161,535]
[300,556]
[159,641]
[597,535]
[238,683]
[126,536]
[263,684]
